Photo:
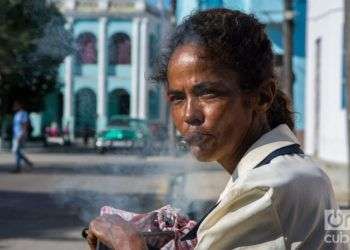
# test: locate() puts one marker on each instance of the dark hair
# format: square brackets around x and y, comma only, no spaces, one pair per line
[238,42]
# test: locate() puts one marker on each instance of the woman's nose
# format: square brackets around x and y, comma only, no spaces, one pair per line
[193,113]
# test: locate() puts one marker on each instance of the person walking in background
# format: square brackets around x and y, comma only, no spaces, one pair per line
[21,125]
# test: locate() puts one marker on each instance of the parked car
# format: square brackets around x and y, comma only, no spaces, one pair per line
[55,136]
[124,132]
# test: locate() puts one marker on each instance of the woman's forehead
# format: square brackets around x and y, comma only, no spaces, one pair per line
[190,56]
[187,54]
[189,60]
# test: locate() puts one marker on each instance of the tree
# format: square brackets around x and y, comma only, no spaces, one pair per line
[33,42]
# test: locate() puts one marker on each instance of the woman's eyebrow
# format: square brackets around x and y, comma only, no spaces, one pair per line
[201,86]
[174,92]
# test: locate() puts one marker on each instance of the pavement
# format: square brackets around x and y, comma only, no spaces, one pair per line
[46,208]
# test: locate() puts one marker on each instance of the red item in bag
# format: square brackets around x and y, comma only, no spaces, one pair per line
[162,228]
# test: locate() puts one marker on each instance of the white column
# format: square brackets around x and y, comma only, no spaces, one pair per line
[68,112]
[135,62]
[101,85]
[165,28]
[143,98]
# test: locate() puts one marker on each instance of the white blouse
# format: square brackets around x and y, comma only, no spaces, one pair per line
[279,205]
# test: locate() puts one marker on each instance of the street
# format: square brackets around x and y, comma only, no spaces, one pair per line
[47,207]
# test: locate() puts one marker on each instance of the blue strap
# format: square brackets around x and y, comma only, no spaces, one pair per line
[287,150]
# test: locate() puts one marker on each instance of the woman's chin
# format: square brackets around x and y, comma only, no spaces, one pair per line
[203,155]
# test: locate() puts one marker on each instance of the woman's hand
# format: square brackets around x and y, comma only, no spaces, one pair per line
[115,233]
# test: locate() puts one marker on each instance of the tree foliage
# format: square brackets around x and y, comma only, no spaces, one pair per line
[33,42]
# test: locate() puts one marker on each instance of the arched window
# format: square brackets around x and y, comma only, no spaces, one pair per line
[86,49]
[119,49]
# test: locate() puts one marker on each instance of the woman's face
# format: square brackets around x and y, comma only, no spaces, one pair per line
[206,105]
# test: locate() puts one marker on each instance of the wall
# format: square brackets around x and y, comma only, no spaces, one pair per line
[325,21]
[184,8]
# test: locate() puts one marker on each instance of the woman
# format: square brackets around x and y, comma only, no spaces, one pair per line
[224,100]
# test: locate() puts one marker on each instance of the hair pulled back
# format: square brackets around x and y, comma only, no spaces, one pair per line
[238,42]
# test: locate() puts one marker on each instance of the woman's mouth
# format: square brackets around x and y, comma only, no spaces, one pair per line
[195,138]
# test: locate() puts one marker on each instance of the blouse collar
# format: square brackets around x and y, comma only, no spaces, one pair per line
[276,138]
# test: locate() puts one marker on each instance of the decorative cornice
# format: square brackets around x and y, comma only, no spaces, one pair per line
[108,8]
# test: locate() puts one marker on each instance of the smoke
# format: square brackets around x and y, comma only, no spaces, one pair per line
[134,184]
[131,183]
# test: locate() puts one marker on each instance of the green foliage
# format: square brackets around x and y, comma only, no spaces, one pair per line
[33,42]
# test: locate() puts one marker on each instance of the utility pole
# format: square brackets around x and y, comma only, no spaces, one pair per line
[347,67]
[288,24]
[173,7]
[171,127]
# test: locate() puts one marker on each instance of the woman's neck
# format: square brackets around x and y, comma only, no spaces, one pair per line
[256,130]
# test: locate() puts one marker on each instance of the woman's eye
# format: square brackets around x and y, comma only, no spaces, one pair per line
[210,93]
[176,99]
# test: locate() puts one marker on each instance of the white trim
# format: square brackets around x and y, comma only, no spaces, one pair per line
[135,49]
[143,97]
[68,111]
[101,90]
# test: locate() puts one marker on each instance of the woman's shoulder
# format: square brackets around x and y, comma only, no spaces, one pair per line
[293,179]
[300,189]
[300,171]
[289,170]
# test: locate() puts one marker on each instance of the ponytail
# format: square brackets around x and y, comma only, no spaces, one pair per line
[280,111]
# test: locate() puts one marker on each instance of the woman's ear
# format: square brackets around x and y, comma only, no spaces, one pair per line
[265,96]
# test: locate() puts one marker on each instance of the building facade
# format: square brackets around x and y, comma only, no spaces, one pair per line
[270,12]
[114,46]
[325,130]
